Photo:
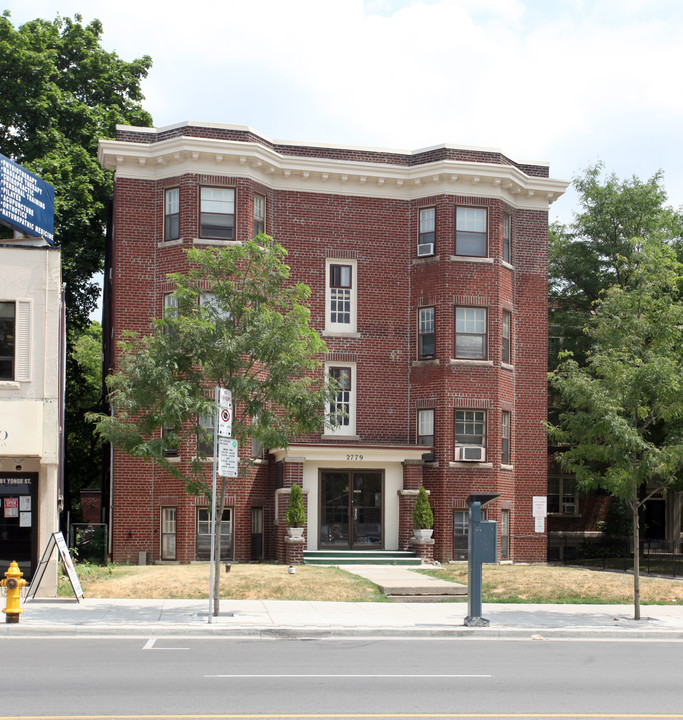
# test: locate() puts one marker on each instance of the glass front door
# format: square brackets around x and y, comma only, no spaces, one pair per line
[351,509]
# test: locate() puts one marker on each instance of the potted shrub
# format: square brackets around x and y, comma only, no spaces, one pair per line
[296,514]
[423,517]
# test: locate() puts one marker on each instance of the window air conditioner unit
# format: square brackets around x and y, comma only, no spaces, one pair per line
[472,453]
[425,249]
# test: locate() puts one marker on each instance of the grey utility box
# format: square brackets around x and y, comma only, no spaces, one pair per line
[481,545]
[485,541]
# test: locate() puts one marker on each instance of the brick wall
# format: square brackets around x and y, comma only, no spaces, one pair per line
[380,235]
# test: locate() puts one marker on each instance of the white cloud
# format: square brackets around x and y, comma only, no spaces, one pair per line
[567,82]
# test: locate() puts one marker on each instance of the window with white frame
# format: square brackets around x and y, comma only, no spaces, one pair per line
[506,354]
[426,346]
[205,434]
[168,533]
[425,427]
[217,213]
[470,435]
[507,237]
[341,294]
[426,231]
[471,232]
[170,310]
[7,339]
[505,451]
[563,495]
[470,333]
[172,214]
[171,441]
[203,548]
[504,534]
[259,214]
[342,408]
[15,340]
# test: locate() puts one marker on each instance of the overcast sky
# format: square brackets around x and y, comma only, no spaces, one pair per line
[569,82]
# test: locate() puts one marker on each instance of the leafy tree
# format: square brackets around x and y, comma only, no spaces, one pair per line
[593,253]
[84,389]
[250,335]
[623,410]
[60,92]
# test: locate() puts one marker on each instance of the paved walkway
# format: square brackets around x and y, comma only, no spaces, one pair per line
[313,619]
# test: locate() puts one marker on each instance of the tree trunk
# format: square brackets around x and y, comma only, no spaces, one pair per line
[217,551]
[636,556]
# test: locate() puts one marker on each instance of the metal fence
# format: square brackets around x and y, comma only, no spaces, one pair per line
[90,542]
[657,557]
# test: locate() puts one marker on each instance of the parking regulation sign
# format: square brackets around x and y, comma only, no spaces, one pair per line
[225,414]
[228,459]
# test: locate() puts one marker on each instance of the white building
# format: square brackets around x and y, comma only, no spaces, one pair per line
[30,372]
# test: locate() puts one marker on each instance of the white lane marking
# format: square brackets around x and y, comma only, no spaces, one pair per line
[149,645]
[364,675]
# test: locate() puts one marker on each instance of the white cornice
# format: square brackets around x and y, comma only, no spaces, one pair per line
[186,155]
[341,452]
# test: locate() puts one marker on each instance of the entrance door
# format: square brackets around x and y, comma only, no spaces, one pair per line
[351,509]
[19,521]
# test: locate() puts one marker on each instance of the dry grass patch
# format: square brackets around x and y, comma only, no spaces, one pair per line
[243,582]
[552,584]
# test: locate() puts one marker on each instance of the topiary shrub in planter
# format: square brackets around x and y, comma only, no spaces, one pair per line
[296,513]
[423,517]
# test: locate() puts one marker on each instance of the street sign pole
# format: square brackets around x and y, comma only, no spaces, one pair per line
[213,504]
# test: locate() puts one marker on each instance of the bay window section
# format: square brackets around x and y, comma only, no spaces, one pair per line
[217,213]
[172,214]
[426,346]
[426,232]
[470,231]
[470,333]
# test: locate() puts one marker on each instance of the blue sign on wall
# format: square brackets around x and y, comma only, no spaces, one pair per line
[27,203]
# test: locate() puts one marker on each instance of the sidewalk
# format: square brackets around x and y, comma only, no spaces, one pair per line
[314,619]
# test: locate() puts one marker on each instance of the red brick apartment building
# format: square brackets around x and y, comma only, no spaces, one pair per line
[428,271]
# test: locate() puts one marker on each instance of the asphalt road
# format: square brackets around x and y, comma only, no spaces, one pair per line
[216,677]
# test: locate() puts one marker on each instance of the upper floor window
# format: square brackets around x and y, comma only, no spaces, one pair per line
[470,435]
[425,334]
[172,214]
[217,213]
[506,355]
[470,231]
[205,435]
[427,231]
[170,438]
[425,427]
[340,311]
[7,340]
[470,333]
[259,215]
[342,408]
[15,340]
[507,234]
[505,454]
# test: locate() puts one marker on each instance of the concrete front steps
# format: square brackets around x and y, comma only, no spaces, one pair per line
[361,557]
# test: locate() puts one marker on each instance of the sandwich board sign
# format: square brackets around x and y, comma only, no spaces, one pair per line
[56,540]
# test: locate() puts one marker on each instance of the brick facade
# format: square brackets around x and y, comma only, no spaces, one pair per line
[358,209]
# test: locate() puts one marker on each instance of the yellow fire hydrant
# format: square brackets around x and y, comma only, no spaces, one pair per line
[14,581]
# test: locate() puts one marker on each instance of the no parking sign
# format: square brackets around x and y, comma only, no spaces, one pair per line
[225,413]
